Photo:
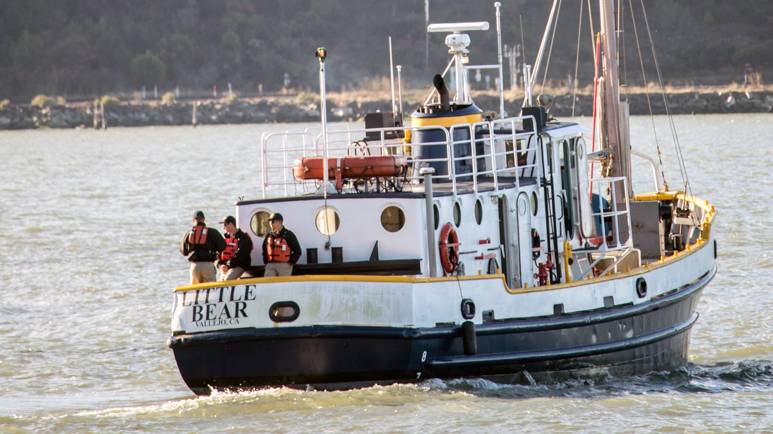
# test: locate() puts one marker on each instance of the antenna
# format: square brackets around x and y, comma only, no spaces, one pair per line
[457,43]
[392,77]
[457,27]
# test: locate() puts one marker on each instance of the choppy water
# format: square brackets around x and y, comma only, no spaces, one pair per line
[90,222]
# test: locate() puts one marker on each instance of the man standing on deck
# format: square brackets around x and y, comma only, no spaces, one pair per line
[281,249]
[235,258]
[201,245]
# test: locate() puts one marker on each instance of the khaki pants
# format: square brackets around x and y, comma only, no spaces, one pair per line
[233,273]
[202,272]
[278,269]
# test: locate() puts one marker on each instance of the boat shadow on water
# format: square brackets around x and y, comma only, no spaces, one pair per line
[694,378]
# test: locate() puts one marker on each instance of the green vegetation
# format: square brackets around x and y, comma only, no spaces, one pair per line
[109,101]
[47,101]
[83,48]
[147,69]
[230,98]
[168,98]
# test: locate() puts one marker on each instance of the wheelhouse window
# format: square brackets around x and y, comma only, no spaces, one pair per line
[259,223]
[392,218]
[457,214]
[327,220]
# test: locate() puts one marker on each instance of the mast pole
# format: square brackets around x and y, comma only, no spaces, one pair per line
[321,55]
[614,139]
[392,78]
[497,5]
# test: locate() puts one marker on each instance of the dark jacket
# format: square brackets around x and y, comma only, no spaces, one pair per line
[292,242]
[243,249]
[205,253]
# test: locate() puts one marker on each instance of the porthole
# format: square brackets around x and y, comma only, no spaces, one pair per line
[392,218]
[580,148]
[457,214]
[523,204]
[284,311]
[478,211]
[534,204]
[436,215]
[327,220]
[259,223]
[492,267]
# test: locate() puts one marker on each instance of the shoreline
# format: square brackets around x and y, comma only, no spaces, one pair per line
[303,107]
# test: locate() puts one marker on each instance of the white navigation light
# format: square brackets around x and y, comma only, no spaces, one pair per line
[457,27]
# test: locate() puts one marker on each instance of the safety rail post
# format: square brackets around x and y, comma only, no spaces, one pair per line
[451,159]
[473,146]
[629,241]
[263,177]
[284,162]
[427,173]
[492,148]
[516,166]
[614,210]
[601,215]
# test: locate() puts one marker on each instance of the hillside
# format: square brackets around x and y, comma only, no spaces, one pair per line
[81,48]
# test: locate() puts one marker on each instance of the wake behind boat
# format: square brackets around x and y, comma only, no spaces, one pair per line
[463,245]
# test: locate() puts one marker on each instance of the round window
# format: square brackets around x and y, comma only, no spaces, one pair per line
[327,220]
[478,211]
[259,223]
[523,204]
[534,204]
[392,218]
[457,214]
[436,215]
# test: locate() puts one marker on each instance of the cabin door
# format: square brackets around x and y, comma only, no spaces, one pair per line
[523,216]
[508,243]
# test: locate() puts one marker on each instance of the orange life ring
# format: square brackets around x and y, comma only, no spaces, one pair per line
[449,248]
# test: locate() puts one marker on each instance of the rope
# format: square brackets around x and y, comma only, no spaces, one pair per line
[621,40]
[675,136]
[592,33]
[550,50]
[577,58]
[647,95]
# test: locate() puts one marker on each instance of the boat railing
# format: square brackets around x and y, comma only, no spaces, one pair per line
[496,160]
[500,143]
[613,224]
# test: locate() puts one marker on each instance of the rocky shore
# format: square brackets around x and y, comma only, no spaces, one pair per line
[305,109]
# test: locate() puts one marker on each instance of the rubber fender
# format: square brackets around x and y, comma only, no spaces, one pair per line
[469,339]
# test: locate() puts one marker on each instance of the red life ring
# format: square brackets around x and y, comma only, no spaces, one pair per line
[449,248]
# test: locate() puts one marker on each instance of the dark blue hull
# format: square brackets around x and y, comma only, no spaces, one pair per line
[623,340]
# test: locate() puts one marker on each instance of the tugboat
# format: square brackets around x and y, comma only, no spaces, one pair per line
[463,245]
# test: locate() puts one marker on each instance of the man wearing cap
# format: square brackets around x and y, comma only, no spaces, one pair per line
[201,245]
[281,249]
[235,258]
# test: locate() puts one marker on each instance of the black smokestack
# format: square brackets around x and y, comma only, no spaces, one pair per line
[442,90]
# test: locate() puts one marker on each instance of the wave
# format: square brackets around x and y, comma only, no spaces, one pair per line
[716,378]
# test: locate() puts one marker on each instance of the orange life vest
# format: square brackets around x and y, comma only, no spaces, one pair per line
[277,249]
[231,244]
[198,235]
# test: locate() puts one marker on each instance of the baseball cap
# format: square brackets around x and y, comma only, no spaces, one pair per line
[198,215]
[276,216]
[228,219]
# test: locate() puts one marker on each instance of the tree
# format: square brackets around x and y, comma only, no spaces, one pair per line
[147,69]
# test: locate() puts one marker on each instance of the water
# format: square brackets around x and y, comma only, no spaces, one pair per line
[91,221]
